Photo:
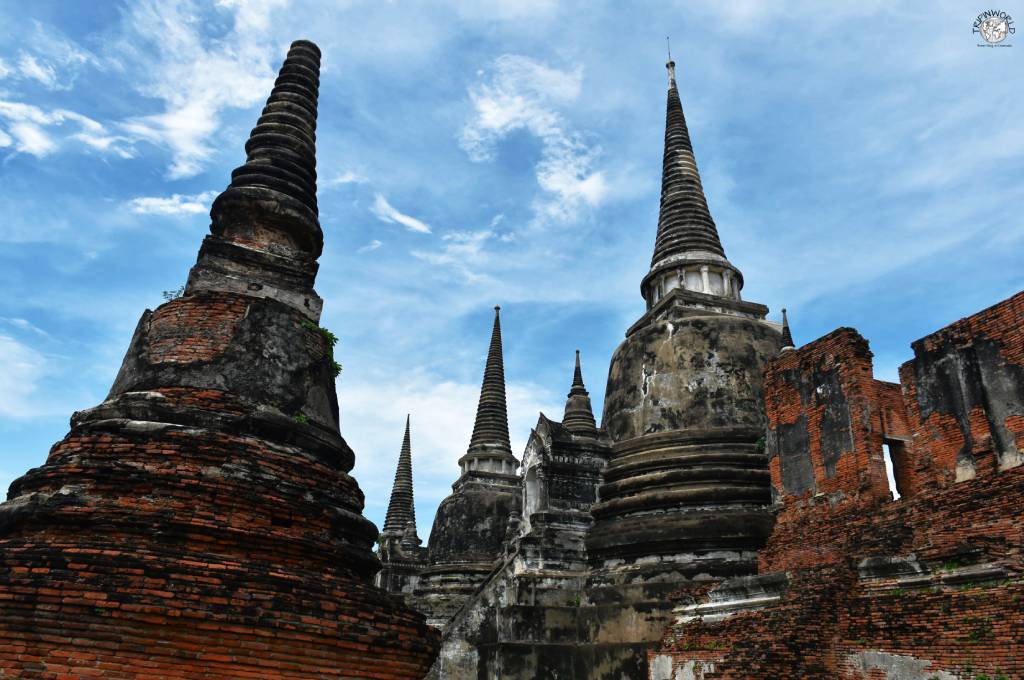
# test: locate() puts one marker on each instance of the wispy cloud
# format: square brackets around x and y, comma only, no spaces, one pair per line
[21,368]
[52,60]
[194,77]
[517,92]
[386,212]
[345,177]
[25,325]
[442,420]
[176,204]
[370,247]
[29,67]
[463,251]
[33,130]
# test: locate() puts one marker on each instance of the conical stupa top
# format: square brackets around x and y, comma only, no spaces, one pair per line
[490,431]
[278,179]
[787,337]
[401,512]
[684,221]
[579,415]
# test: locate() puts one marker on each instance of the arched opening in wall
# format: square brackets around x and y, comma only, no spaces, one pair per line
[531,489]
[890,454]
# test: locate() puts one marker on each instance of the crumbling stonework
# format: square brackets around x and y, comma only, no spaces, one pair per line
[470,527]
[525,620]
[201,521]
[854,584]
[730,518]
[669,494]
[685,497]
[964,397]
[399,550]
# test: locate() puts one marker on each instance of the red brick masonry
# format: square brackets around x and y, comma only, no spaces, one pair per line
[182,532]
[927,586]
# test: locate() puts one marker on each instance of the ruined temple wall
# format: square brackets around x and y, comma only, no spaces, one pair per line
[853,584]
[964,390]
[237,582]
[186,531]
[825,422]
[957,414]
[949,607]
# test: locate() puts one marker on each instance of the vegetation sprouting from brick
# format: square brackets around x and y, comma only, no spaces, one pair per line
[173,294]
[330,338]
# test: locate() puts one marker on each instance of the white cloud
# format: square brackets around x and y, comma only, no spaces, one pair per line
[521,93]
[197,78]
[32,139]
[21,368]
[116,144]
[442,412]
[24,325]
[30,67]
[346,177]
[176,204]
[463,251]
[386,212]
[507,10]
[32,128]
[369,247]
[742,16]
[52,60]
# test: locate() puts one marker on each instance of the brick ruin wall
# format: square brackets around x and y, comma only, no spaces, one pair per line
[166,537]
[929,586]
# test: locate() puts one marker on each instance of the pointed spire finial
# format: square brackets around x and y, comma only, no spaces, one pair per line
[670,65]
[280,164]
[490,430]
[265,227]
[401,509]
[579,415]
[687,235]
[577,375]
[787,336]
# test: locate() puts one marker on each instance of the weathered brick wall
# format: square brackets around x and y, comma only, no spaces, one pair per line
[930,586]
[825,427]
[188,531]
[964,390]
[201,522]
[953,619]
[240,584]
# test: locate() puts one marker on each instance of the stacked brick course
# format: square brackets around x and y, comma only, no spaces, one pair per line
[861,586]
[964,396]
[201,521]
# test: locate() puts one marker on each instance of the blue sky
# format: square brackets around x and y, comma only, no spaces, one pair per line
[863,164]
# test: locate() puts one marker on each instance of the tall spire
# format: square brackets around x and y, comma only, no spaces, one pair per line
[787,337]
[490,431]
[579,415]
[265,233]
[686,231]
[281,151]
[684,222]
[401,511]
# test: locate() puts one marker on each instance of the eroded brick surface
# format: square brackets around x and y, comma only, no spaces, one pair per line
[926,587]
[201,522]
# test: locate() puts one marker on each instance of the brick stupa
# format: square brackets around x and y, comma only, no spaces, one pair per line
[201,522]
